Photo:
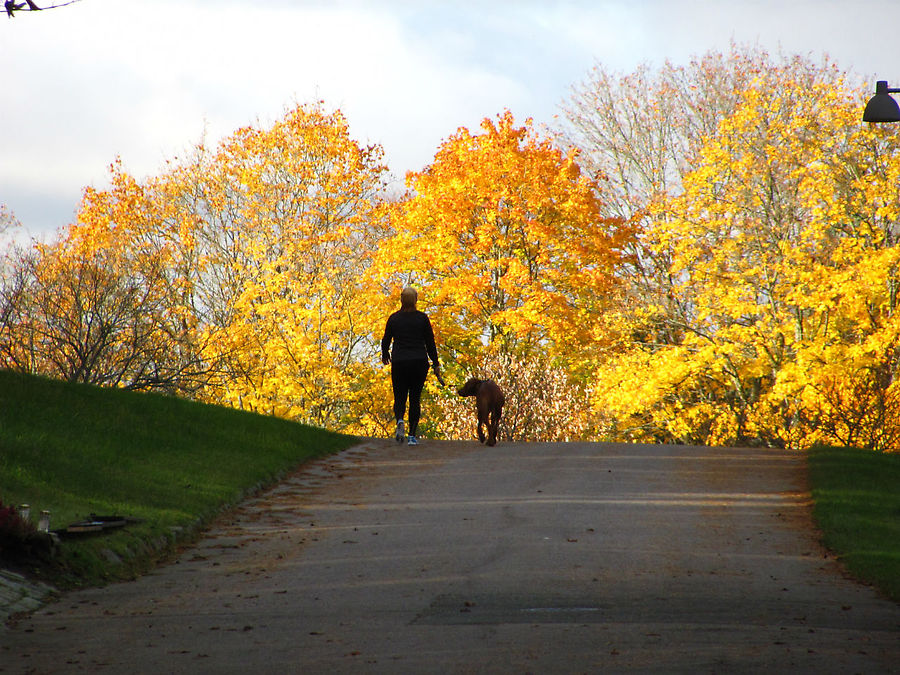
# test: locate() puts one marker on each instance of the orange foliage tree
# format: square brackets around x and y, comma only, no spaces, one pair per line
[504,235]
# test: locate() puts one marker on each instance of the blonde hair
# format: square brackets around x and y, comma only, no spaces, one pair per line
[408,297]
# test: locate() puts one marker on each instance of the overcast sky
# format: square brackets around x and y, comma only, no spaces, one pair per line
[144,79]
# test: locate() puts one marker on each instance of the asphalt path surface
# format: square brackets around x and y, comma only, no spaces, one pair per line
[521,558]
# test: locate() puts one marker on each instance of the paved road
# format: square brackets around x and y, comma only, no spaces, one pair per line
[455,558]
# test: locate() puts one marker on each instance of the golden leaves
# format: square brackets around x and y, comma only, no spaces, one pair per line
[749,295]
[503,231]
[782,258]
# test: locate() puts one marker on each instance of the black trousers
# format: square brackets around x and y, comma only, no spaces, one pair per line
[408,380]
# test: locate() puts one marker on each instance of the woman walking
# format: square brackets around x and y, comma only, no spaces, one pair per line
[413,345]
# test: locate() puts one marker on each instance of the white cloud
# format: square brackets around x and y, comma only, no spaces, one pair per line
[143,78]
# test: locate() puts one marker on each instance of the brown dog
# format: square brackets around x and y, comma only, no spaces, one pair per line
[489,401]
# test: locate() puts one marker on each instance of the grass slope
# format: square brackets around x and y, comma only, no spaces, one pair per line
[857,507]
[77,449]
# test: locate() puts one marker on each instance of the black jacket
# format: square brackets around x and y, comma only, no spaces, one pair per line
[412,335]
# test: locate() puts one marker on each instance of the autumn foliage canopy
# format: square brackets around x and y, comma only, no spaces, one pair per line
[698,254]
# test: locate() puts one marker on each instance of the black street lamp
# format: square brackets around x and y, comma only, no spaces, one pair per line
[882,107]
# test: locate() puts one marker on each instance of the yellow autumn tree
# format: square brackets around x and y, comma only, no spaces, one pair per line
[504,235]
[287,222]
[779,306]
[249,257]
[642,132]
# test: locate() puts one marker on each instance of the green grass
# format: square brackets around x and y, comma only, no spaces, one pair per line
[174,464]
[857,507]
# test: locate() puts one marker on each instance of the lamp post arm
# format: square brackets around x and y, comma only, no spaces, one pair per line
[881,87]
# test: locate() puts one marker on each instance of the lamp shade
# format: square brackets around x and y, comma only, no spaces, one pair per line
[881,107]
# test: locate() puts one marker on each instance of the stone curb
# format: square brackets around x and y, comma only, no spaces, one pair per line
[19,594]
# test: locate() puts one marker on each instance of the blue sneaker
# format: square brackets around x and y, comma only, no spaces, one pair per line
[412,441]
[401,434]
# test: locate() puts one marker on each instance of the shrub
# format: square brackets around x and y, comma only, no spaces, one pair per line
[17,535]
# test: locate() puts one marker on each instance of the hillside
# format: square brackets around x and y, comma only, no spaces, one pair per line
[167,465]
